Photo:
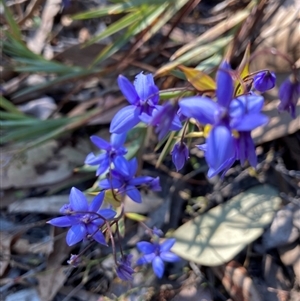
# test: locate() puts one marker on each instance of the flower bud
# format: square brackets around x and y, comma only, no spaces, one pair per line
[180,154]
[264,81]
[289,93]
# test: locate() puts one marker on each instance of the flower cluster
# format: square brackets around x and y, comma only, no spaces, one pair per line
[225,116]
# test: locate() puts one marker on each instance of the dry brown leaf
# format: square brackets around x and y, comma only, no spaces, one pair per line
[47,204]
[51,281]
[236,281]
[281,31]
[22,246]
[43,165]
[55,275]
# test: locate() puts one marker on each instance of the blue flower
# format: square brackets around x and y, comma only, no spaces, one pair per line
[84,219]
[124,270]
[165,119]
[246,149]
[143,98]
[226,115]
[112,151]
[122,178]
[289,93]
[264,81]
[180,154]
[156,254]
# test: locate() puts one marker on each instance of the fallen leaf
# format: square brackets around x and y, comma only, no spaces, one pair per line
[49,205]
[219,234]
[43,165]
[51,280]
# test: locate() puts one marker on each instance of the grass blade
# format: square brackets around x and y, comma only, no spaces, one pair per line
[116,26]
[13,25]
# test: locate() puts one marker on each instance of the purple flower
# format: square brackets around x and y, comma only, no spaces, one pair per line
[165,119]
[122,178]
[112,151]
[246,149]
[143,98]
[154,185]
[289,93]
[85,220]
[264,81]
[156,254]
[124,269]
[226,115]
[180,154]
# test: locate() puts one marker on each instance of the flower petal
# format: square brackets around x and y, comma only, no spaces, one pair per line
[246,104]
[104,165]
[97,234]
[169,257]
[128,90]
[224,167]
[78,200]
[91,159]
[146,247]
[224,85]
[220,146]
[133,165]
[249,122]
[134,194]
[145,87]
[63,221]
[158,266]
[76,234]
[201,108]
[145,259]
[141,180]
[100,143]
[125,119]
[118,140]
[97,202]
[110,183]
[107,213]
[122,166]
[167,244]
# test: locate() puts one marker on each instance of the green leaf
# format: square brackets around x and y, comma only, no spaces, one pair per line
[13,25]
[117,9]
[116,26]
[219,234]
[151,14]
[168,94]
[135,216]
[9,107]
[214,33]
[196,55]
